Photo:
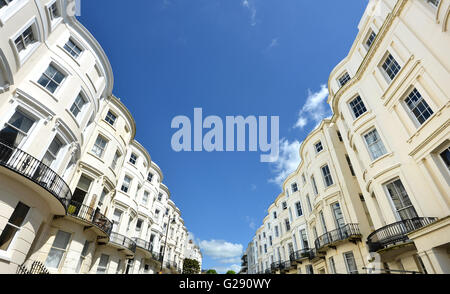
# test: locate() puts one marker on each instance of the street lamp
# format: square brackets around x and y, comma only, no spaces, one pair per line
[165,242]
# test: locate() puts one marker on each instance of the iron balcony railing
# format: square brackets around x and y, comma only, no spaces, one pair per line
[123,241]
[396,232]
[35,170]
[285,265]
[268,271]
[343,233]
[147,246]
[90,215]
[275,266]
[299,255]
[312,253]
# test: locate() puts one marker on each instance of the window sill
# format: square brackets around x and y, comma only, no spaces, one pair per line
[99,158]
[427,122]
[372,164]
[46,91]
[9,12]
[70,55]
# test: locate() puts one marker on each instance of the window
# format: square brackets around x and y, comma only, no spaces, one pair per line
[265,248]
[418,107]
[370,39]
[284,205]
[298,207]
[72,48]
[119,267]
[327,176]
[25,39]
[350,165]
[277,233]
[145,198]
[111,118]
[374,144]
[350,263]
[157,212]
[309,269]
[339,136]
[83,256]
[54,13]
[332,265]
[435,3]
[358,107]
[160,197]
[99,146]
[304,179]
[324,224]
[391,67]
[115,159]
[126,184]
[309,203]
[16,129]
[149,177]
[338,216]
[344,79]
[82,189]
[102,197]
[304,239]
[133,158]
[316,191]
[318,147]
[139,225]
[58,249]
[4,3]
[294,187]
[52,152]
[78,105]
[401,201]
[103,264]
[116,219]
[51,79]
[288,224]
[13,225]
[275,215]
[270,240]
[445,155]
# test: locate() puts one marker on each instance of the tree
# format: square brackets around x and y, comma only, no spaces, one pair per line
[230,272]
[191,267]
[211,272]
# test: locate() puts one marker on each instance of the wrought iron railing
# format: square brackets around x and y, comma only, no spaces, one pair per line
[37,268]
[285,265]
[343,233]
[275,266]
[147,246]
[299,255]
[35,170]
[90,215]
[268,271]
[312,253]
[123,241]
[396,232]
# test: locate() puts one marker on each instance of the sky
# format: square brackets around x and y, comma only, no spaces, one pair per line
[230,58]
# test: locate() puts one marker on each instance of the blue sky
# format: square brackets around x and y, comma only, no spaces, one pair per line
[229,57]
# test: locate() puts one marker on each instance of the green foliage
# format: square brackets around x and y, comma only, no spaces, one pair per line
[191,267]
[231,272]
[211,272]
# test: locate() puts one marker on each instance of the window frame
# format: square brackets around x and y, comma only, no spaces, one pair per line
[368,146]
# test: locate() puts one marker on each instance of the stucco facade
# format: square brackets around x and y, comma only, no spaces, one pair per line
[78,193]
[372,190]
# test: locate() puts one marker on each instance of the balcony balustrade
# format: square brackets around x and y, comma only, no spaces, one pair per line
[36,171]
[298,256]
[123,241]
[396,232]
[91,216]
[348,232]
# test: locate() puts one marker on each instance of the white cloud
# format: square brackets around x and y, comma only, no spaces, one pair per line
[315,109]
[231,260]
[250,5]
[274,43]
[220,249]
[234,267]
[287,162]
[251,222]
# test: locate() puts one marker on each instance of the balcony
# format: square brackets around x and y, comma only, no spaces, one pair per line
[330,239]
[285,266]
[275,266]
[123,243]
[92,217]
[147,247]
[25,165]
[299,256]
[396,232]
[267,271]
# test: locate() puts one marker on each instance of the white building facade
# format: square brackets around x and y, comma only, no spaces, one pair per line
[78,193]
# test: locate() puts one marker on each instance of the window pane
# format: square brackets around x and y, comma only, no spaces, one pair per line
[54,258]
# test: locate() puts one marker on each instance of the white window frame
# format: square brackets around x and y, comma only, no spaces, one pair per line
[103,150]
[368,147]
[64,250]
[410,112]
[7,254]
[24,55]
